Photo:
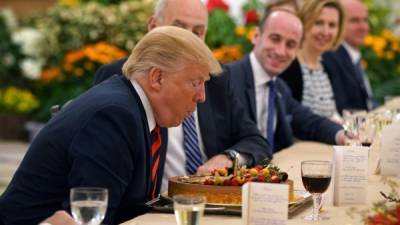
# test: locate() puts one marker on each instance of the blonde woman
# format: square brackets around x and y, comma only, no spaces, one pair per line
[311,83]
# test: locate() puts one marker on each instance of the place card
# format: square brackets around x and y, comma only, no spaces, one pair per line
[390,154]
[265,203]
[350,174]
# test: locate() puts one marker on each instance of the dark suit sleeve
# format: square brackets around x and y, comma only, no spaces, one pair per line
[307,125]
[245,137]
[100,156]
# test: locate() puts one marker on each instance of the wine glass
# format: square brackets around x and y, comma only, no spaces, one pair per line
[88,204]
[316,176]
[189,209]
[367,131]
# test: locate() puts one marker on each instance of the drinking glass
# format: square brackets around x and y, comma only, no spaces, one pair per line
[88,205]
[316,176]
[382,119]
[352,119]
[366,131]
[189,209]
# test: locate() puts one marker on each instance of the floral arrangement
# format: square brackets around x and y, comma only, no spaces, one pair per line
[381,55]
[74,74]
[62,27]
[83,62]
[11,55]
[383,212]
[62,48]
[16,100]
[228,40]
[387,211]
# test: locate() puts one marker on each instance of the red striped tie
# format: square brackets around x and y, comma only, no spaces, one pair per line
[155,158]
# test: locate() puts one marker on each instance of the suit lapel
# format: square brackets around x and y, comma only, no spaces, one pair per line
[250,89]
[207,129]
[351,70]
[146,135]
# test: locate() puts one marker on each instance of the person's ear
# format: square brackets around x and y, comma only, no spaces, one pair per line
[155,78]
[256,36]
[151,23]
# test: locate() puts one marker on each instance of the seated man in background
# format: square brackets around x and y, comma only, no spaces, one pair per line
[266,97]
[220,127]
[109,136]
[346,60]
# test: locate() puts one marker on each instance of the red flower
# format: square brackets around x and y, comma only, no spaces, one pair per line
[251,17]
[217,4]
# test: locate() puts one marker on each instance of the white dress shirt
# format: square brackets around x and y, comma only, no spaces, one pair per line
[261,78]
[175,161]
[146,105]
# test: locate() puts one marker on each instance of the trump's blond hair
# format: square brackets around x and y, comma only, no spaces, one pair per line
[169,49]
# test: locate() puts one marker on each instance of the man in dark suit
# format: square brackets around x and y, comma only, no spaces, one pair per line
[109,136]
[267,98]
[224,129]
[345,62]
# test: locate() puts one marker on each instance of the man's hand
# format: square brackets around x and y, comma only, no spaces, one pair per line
[59,218]
[342,137]
[216,162]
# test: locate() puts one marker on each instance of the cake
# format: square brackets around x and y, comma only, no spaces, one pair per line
[222,187]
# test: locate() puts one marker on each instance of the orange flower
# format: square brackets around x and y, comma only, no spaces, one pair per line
[227,54]
[251,32]
[50,74]
[240,30]
[74,56]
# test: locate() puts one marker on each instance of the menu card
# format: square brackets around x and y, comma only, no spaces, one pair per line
[265,203]
[350,174]
[390,154]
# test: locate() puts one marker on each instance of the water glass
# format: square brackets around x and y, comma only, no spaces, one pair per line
[316,176]
[352,119]
[88,204]
[189,209]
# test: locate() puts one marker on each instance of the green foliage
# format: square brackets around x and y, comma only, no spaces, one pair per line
[378,14]
[221,29]
[10,58]
[387,88]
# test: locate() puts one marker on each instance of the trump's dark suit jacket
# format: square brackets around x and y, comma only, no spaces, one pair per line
[293,77]
[101,139]
[223,121]
[340,63]
[293,119]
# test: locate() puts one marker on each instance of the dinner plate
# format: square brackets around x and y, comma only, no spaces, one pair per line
[165,205]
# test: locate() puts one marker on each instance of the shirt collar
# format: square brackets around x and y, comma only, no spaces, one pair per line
[261,77]
[355,54]
[146,105]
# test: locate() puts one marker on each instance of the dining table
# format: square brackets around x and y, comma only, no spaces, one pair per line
[290,160]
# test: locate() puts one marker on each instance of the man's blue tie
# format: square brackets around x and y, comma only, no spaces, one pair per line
[271,113]
[191,145]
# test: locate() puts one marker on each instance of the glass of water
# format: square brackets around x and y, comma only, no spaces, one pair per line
[88,204]
[189,209]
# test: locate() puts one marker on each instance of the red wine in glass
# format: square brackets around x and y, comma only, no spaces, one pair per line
[316,177]
[366,144]
[316,183]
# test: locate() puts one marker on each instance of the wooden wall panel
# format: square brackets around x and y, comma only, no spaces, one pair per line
[23,8]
